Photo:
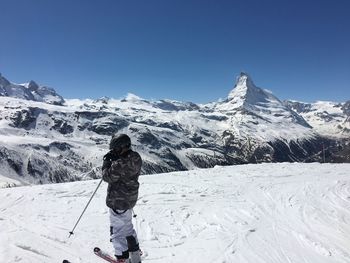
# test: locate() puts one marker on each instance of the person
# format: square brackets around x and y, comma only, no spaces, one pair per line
[121,169]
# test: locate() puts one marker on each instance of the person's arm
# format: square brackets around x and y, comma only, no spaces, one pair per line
[122,168]
[107,163]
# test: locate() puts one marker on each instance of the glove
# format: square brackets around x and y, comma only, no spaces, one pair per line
[108,159]
[106,164]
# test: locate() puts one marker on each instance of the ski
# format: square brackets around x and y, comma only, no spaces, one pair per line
[104,255]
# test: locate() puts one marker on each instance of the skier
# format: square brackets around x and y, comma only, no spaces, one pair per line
[121,169]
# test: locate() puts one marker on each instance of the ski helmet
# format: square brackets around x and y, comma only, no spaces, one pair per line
[119,142]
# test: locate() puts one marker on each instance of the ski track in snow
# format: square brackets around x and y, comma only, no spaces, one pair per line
[265,213]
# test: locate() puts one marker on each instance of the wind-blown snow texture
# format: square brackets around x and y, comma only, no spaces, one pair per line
[267,213]
[47,139]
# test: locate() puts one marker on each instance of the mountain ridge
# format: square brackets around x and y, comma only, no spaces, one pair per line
[29,91]
[56,142]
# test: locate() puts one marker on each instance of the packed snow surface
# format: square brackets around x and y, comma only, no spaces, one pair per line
[250,213]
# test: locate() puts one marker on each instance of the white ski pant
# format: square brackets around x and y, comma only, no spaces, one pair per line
[121,227]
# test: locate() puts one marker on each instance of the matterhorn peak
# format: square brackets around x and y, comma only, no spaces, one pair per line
[244,88]
[243,79]
[245,94]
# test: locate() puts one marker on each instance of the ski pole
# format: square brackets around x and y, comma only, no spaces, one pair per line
[72,232]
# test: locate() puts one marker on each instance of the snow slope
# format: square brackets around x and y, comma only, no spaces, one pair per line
[250,213]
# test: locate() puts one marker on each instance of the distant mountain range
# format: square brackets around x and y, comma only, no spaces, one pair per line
[29,91]
[46,138]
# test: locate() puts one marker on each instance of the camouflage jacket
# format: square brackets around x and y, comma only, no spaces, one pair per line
[122,176]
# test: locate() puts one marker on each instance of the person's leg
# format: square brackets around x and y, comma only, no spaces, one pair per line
[121,227]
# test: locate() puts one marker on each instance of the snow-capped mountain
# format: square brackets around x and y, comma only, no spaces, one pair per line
[258,118]
[29,91]
[44,141]
[249,103]
[327,118]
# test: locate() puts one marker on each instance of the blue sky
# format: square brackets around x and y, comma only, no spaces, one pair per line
[188,50]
